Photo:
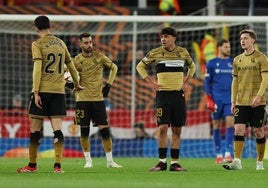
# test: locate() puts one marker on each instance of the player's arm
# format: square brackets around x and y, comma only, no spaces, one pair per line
[190,66]
[234,91]
[110,81]
[112,74]
[37,73]
[264,76]
[211,105]
[74,75]
[73,72]
[191,70]
[264,84]
[257,99]
[141,68]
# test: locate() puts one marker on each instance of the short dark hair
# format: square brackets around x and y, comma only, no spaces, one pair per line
[221,42]
[84,35]
[42,22]
[168,31]
[251,33]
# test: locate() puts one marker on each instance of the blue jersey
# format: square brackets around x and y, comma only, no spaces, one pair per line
[218,79]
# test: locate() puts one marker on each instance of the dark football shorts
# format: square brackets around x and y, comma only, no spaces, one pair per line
[171,108]
[91,111]
[53,105]
[255,117]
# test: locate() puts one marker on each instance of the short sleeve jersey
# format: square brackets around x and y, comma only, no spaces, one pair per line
[90,71]
[169,66]
[248,70]
[53,53]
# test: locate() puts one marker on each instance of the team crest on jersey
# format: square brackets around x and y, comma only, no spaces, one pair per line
[252,60]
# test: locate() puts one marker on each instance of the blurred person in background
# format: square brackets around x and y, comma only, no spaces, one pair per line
[218,82]
[169,7]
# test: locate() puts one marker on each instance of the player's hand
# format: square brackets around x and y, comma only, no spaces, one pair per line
[256,101]
[37,100]
[211,104]
[153,83]
[77,88]
[106,89]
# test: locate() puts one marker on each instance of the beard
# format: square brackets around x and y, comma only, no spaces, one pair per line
[88,50]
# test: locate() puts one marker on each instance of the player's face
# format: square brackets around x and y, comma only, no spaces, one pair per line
[225,49]
[86,44]
[246,41]
[168,41]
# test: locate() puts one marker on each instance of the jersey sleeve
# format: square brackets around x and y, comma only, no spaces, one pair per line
[208,78]
[36,52]
[234,82]
[37,67]
[141,66]
[264,75]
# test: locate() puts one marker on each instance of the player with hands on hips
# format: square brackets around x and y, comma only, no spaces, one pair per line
[218,82]
[169,60]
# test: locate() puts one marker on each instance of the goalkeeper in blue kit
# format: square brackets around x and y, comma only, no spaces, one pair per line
[218,82]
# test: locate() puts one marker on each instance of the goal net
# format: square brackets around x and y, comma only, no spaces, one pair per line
[130,105]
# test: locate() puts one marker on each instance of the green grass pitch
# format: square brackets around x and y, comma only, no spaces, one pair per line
[202,173]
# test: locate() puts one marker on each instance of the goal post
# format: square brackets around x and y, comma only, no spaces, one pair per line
[125,39]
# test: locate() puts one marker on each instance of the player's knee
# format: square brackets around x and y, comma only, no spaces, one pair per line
[58,137]
[35,137]
[105,133]
[84,131]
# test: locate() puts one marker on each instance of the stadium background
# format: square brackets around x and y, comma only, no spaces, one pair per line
[16,79]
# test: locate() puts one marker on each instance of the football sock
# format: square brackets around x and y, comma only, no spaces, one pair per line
[229,139]
[260,148]
[174,154]
[34,146]
[106,139]
[107,145]
[174,162]
[87,156]
[227,154]
[238,146]
[85,144]
[162,153]
[217,140]
[58,145]
[32,165]
[109,156]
